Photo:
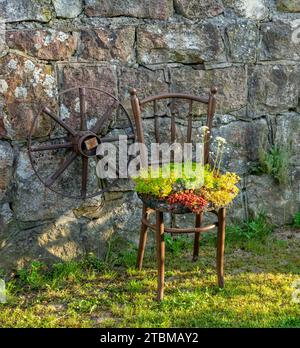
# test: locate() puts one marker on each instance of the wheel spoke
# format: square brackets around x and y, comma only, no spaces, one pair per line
[104,118]
[85,163]
[59,121]
[51,147]
[109,139]
[50,181]
[83,123]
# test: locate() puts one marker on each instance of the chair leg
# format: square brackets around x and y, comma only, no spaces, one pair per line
[160,253]
[198,222]
[143,239]
[221,246]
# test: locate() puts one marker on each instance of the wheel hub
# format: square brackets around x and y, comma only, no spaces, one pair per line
[85,143]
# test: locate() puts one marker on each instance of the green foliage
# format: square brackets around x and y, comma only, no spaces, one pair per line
[65,271]
[219,189]
[125,258]
[275,161]
[157,187]
[38,275]
[297,220]
[160,182]
[257,228]
[34,276]
[120,253]
[84,305]
[91,262]
[177,244]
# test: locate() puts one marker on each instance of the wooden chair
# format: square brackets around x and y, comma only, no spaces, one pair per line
[159,227]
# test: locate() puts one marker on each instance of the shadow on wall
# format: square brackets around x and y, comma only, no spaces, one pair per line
[73,234]
[40,224]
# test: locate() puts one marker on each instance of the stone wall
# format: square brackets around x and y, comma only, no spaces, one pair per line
[249,49]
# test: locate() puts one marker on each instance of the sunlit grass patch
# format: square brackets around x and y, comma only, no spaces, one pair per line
[260,271]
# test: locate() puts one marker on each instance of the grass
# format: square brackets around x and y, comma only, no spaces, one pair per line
[260,270]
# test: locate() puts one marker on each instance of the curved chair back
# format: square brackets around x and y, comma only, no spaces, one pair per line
[174,102]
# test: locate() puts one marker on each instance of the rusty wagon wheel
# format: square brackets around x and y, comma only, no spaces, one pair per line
[79,140]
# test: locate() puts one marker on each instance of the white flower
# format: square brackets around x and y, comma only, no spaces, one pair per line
[204,129]
[220,140]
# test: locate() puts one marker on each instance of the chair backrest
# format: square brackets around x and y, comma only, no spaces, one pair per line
[174,100]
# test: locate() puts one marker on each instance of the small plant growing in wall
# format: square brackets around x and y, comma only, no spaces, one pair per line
[275,160]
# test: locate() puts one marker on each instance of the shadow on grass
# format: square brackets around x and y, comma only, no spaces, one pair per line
[260,272]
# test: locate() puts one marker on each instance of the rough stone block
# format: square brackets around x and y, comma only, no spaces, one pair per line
[243,40]
[195,9]
[277,202]
[43,44]
[273,88]
[288,5]
[6,168]
[33,202]
[179,43]
[68,238]
[145,81]
[279,41]
[26,10]
[103,44]
[24,86]
[6,218]
[48,243]
[159,9]
[243,138]
[287,132]
[102,76]
[67,8]
[252,9]
[231,83]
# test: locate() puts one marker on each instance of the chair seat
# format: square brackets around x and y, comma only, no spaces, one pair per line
[163,205]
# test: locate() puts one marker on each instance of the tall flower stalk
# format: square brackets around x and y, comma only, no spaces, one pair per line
[220,150]
[204,135]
